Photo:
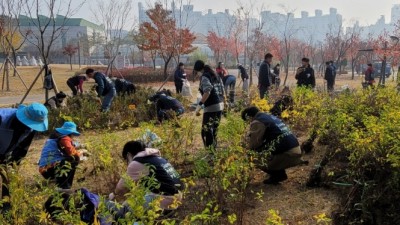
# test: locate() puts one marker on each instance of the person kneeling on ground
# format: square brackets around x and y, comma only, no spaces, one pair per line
[279,147]
[146,163]
[59,157]
[165,103]
[56,101]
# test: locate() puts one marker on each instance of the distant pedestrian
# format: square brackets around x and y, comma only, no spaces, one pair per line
[75,83]
[105,88]
[179,77]
[228,80]
[221,70]
[265,75]
[334,71]
[245,78]
[212,92]
[276,80]
[305,74]
[370,75]
[329,76]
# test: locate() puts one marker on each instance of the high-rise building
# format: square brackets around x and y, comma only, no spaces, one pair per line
[305,28]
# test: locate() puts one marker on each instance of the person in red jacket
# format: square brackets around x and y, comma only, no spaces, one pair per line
[369,75]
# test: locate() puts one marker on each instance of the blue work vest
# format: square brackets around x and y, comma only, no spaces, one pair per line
[50,153]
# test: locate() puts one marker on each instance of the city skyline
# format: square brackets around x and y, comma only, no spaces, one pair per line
[366,12]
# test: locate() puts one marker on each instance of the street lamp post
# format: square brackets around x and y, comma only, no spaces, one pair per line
[79,48]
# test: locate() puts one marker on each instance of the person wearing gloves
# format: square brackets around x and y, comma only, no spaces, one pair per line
[165,103]
[179,77]
[212,98]
[105,87]
[147,163]
[59,157]
[17,130]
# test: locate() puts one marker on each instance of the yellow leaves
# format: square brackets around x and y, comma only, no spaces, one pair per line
[262,104]
[273,218]
[132,107]
[322,219]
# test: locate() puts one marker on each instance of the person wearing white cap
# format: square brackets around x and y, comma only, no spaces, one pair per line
[17,129]
[59,157]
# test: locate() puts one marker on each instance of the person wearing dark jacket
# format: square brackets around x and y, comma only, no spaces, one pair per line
[17,130]
[279,149]
[105,88]
[329,76]
[275,77]
[305,74]
[265,75]
[165,103]
[56,101]
[179,77]
[212,91]
[245,78]
[75,83]
[369,75]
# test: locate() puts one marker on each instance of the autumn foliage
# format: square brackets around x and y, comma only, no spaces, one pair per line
[162,37]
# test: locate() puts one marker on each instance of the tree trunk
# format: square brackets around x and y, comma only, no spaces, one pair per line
[251,71]
[70,61]
[286,69]
[14,55]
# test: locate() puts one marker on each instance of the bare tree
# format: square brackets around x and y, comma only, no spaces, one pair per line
[115,16]
[10,38]
[43,31]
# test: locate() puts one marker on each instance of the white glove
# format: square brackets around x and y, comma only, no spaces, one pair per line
[111,196]
[83,158]
[149,102]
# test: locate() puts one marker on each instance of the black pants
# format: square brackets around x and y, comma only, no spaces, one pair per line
[178,87]
[210,127]
[330,84]
[63,173]
[72,87]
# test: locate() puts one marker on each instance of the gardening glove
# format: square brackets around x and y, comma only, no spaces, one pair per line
[111,196]
[83,158]
[84,152]
[198,108]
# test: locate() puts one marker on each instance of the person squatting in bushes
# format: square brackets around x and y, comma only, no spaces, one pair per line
[144,164]
[60,158]
[166,104]
[277,148]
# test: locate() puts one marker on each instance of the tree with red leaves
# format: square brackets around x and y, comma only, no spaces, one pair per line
[163,36]
[70,50]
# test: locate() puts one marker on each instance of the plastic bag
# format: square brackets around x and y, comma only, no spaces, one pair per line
[150,139]
[186,90]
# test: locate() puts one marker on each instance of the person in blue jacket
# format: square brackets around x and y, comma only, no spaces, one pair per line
[105,88]
[17,130]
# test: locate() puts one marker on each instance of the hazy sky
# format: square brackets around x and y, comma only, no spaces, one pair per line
[366,11]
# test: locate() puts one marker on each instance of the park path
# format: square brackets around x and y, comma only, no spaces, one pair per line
[10,100]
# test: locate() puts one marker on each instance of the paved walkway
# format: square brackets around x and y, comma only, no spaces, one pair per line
[10,100]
